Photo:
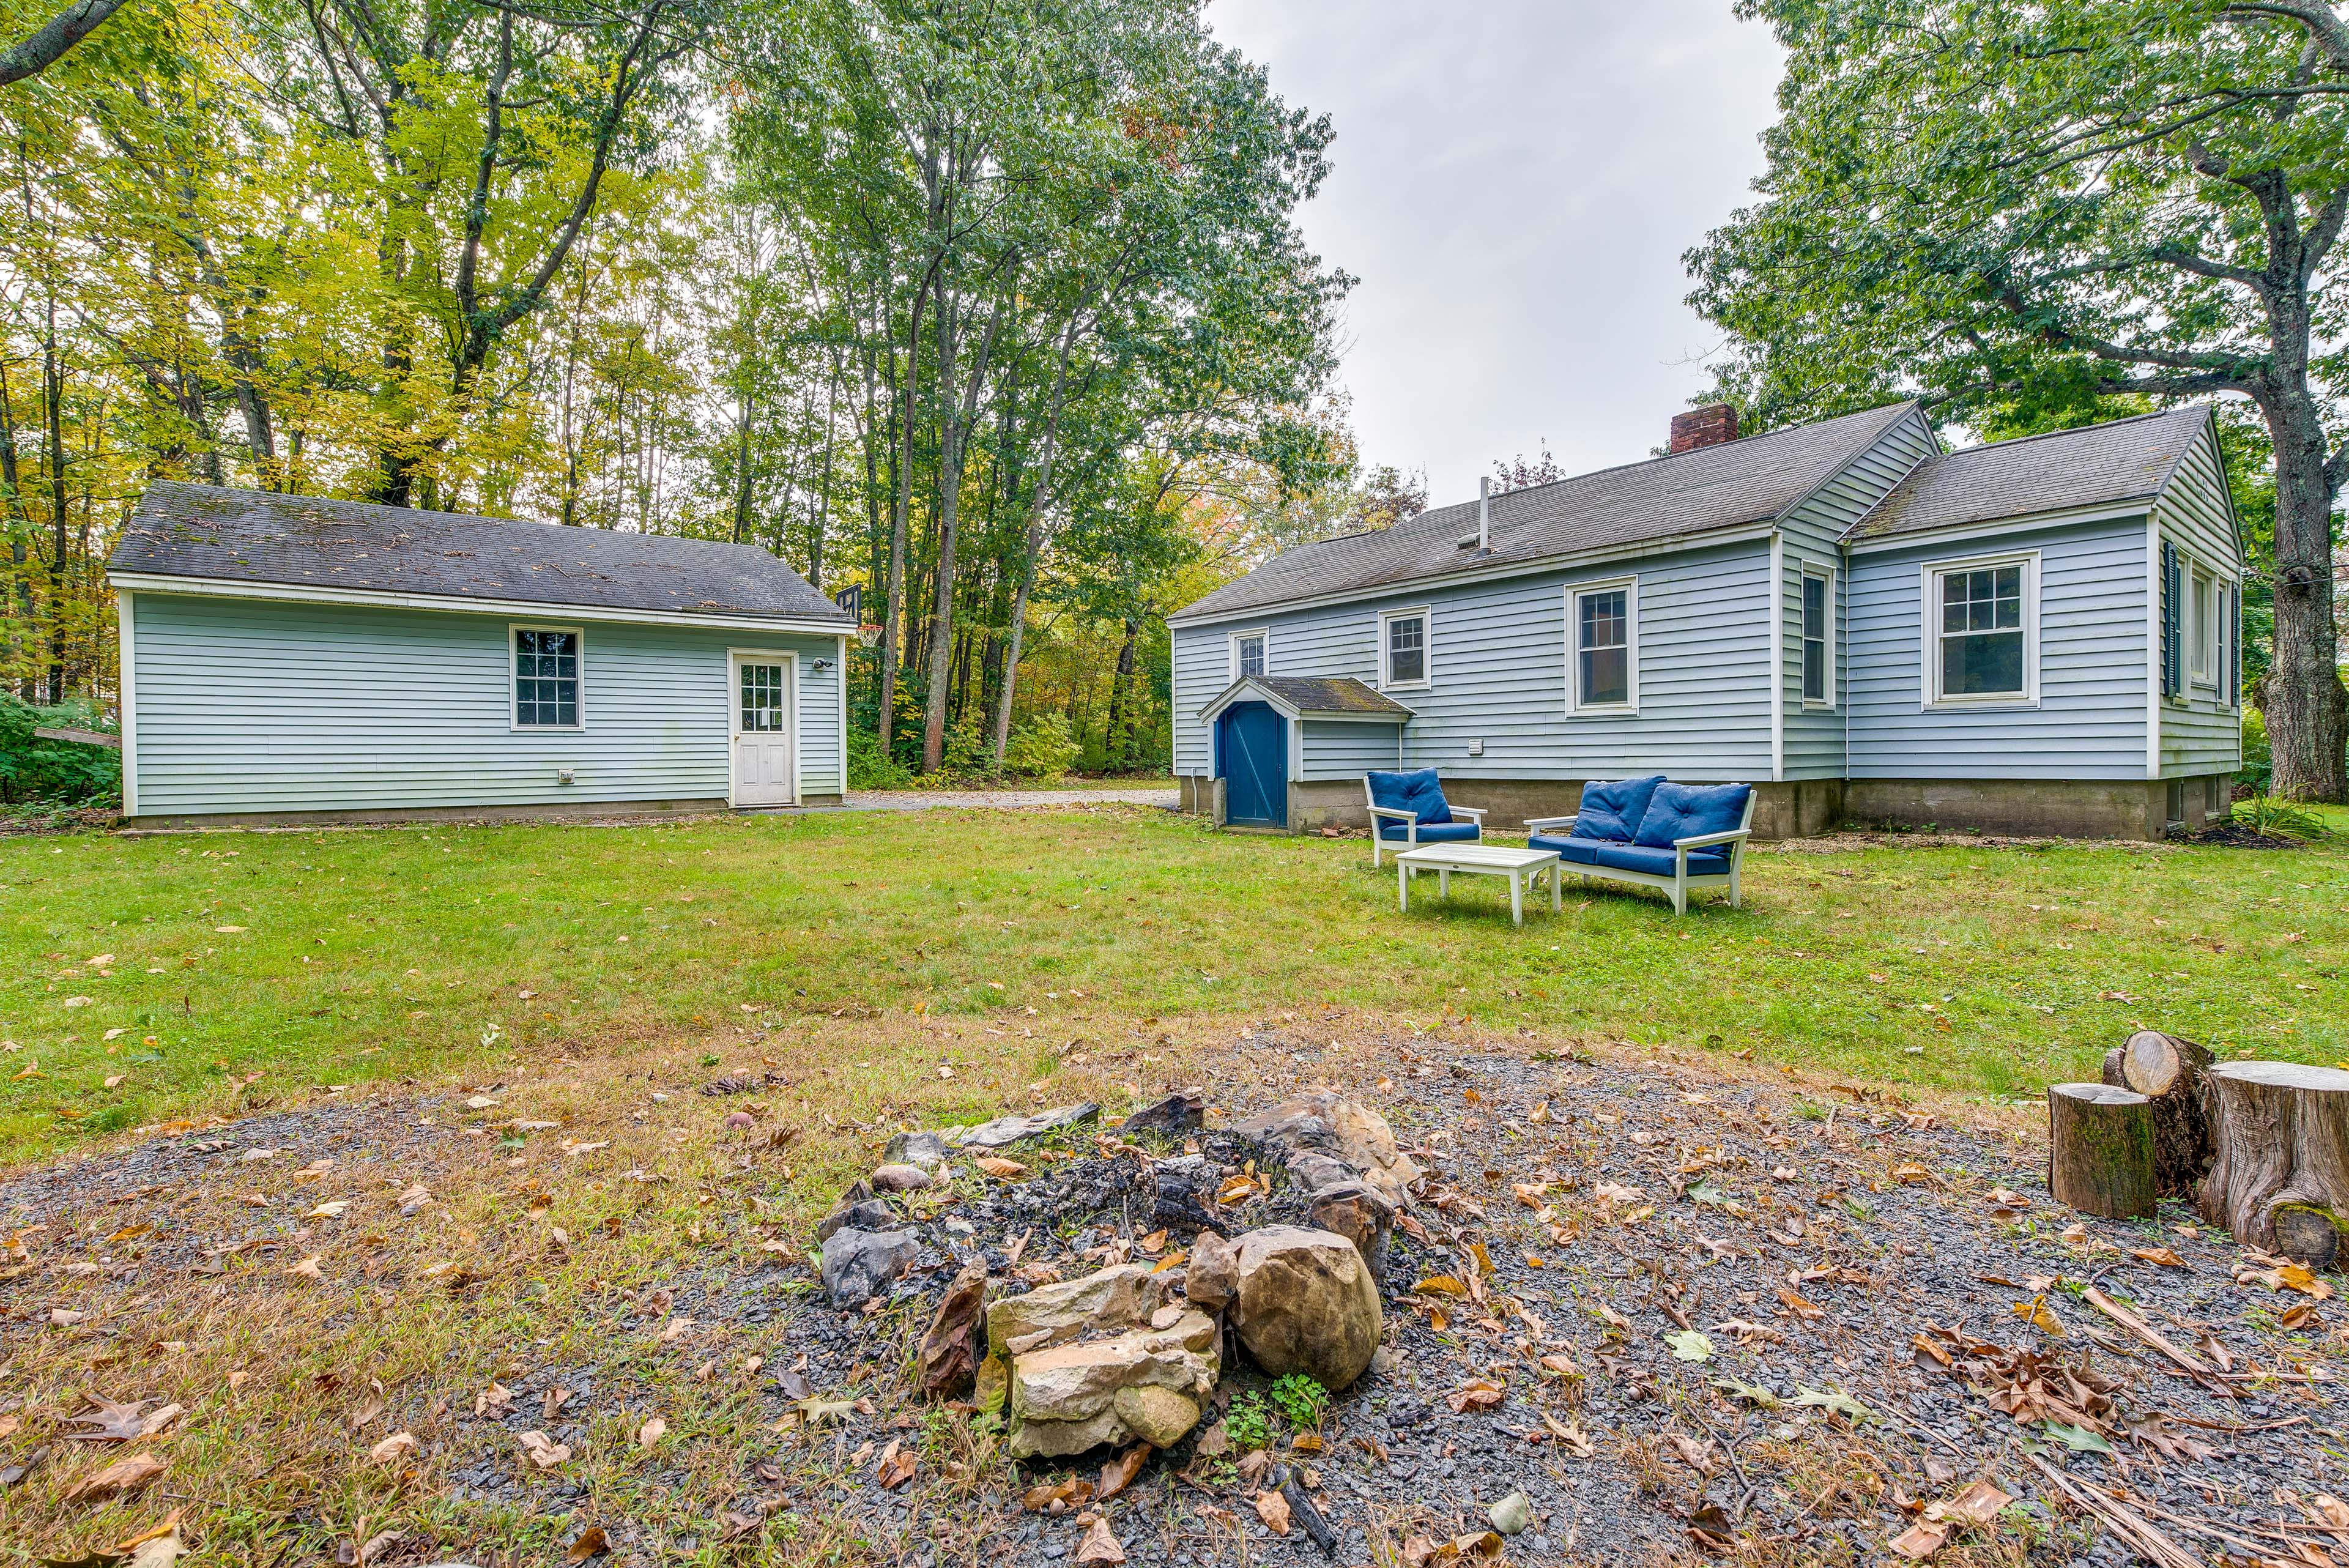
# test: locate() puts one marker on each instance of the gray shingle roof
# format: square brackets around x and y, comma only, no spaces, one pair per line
[205,532]
[2097,465]
[1717,487]
[1333,694]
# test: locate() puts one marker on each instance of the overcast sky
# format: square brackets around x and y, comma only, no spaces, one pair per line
[1515,182]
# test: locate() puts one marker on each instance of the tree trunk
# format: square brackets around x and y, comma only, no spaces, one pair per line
[2100,1150]
[2306,709]
[2279,1179]
[894,619]
[2169,1071]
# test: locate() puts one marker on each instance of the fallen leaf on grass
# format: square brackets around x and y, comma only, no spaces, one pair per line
[1978,1505]
[1697,1456]
[542,1450]
[1119,1473]
[2161,1255]
[392,1447]
[124,1475]
[1441,1284]
[1570,1437]
[1058,1497]
[2035,1312]
[1920,1539]
[1099,1544]
[651,1432]
[591,1543]
[1273,1509]
[1803,1308]
[307,1269]
[896,1466]
[1004,1169]
[112,1423]
[1689,1345]
[1477,1393]
[494,1400]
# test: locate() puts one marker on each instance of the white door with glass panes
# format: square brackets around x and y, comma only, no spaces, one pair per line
[765,767]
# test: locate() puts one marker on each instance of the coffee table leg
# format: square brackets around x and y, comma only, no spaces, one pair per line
[1402,888]
[1444,881]
[1557,875]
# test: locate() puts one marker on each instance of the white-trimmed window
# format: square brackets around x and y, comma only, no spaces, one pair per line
[2202,627]
[1981,631]
[1602,638]
[547,666]
[1249,650]
[1405,650]
[1819,636]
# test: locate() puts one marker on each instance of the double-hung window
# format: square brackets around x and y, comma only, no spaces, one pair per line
[1403,649]
[1819,645]
[1248,654]
[2202,628]
[545,677]
[1602,629]
[1981,625]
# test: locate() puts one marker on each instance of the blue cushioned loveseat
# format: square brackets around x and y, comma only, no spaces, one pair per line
[1652,833]
[1410,809]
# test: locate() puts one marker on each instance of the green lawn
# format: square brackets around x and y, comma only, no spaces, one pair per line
[338,957]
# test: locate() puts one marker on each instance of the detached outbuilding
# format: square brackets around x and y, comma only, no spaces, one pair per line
[286,658]
[2037,636]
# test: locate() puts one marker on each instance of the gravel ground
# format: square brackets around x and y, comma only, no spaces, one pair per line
[1587,1208]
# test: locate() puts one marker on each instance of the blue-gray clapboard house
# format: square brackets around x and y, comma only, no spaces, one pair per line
[2032,636]
[285,656]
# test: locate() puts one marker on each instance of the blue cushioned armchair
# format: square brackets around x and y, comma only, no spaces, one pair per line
[1410,809]
[1652,833]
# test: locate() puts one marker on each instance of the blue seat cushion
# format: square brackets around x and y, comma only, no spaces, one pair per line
[1431,832]
[1545,841]
[1418,792]
[1613,811]
[1632,857]
[1691,811]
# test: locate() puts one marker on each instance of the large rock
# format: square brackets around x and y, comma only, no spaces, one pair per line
[899,1176]
[1212,1277]
[870,1214]
[1177,1114]
[858,1264]
[1349,1209]
[1303,1300]
[948,1359]
[1151,1384]
[1109,1302]
[1322,1121]
[925,1149]
[1005,1131]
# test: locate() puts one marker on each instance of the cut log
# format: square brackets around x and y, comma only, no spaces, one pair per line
[2169,1071]
[2280,1169]
[2100,1150]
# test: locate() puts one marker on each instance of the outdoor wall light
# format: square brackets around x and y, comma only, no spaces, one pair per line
[822,665]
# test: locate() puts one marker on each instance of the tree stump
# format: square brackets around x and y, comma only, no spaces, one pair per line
[2100,1150]
[2169,1071]
[2278,1177]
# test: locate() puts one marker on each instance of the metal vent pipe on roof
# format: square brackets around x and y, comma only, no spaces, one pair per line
[1485,513]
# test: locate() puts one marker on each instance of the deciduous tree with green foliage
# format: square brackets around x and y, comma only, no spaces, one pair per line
[2023,208]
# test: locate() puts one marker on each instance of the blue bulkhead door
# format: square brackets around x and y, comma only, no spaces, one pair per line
[1252,758]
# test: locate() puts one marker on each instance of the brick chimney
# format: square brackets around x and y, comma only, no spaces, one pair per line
[1708,426]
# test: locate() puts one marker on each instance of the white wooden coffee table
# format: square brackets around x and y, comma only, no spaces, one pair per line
[1519,866]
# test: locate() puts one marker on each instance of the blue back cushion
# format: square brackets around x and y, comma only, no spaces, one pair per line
[1691,811]
[1614,810]
[1418,792]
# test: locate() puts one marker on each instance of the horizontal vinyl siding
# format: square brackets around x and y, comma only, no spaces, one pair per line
[257,706]
[2204,733]
[1346,750]
[1498,656]
[1814,533]
[1201,660]
[2091,719]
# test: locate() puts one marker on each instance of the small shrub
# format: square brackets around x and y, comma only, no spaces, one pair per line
[1248,1422]
[969,751]
[64,771]
[1042,748]
[1301,1399]
[2273,818]
[870,767]
[2258,758]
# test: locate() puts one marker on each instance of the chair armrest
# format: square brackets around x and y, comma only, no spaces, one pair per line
[1543,824]
[1475,810]
[1396,812]
[1735,834]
